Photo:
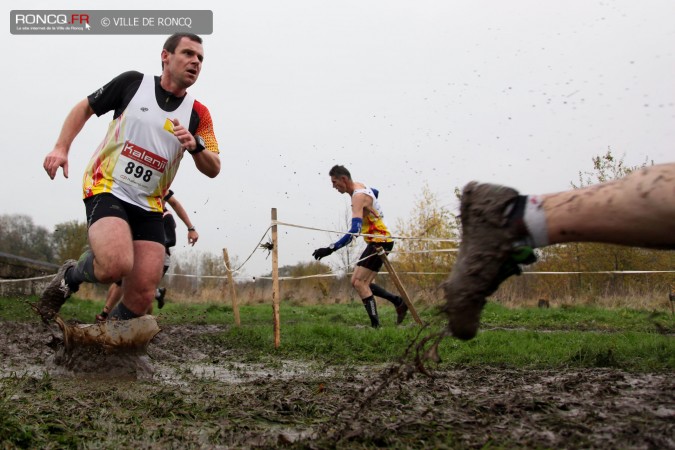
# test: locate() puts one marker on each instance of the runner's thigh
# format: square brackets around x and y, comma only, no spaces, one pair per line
[110,241]
[140,284]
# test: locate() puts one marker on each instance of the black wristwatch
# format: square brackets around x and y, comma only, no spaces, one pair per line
[200,145]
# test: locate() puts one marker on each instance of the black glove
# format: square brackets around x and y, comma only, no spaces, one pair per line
[322,252]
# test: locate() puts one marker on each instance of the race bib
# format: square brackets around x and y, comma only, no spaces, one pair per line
[139,168]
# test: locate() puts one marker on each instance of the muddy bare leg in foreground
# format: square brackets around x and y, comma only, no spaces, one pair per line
[500,229]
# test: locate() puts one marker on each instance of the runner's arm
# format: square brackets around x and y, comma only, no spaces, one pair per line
[183,215]
[72,126]
[359,202]
[207,162]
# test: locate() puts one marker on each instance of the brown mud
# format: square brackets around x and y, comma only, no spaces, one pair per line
[201,396]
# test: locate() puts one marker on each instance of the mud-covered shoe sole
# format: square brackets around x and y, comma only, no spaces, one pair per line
[55,294]
[487,242]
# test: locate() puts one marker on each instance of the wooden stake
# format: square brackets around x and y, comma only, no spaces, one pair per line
[233,292]
[399,285]
[275,281]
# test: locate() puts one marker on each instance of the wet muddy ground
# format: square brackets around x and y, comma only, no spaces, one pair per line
[203,397]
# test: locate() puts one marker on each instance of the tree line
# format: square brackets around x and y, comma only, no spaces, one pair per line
[20,236]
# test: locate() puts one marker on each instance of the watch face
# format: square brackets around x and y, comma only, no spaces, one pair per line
[200,141]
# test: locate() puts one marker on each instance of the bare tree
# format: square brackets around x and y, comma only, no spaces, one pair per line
[348,255]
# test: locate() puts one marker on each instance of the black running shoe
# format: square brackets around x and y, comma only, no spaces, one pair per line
[161,292]
[401,311]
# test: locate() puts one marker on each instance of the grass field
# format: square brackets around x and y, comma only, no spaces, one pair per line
[575,377]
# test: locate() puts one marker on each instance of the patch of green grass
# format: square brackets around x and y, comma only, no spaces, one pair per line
[340,334]
[17,309]
[333,344]
[629,351]
[577,318]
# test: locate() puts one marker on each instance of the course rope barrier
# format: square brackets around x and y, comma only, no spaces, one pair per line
[606,272]
[256,248]
[345,269]
[334,275]
[17,280]
[412,252]
[276,222]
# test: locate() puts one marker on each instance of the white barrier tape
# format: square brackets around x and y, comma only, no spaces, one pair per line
[410,252]
[276,222]
[304,277]
[620,272]
[16,280]
[328,275]
[257,247]
[214,277]
[625,272]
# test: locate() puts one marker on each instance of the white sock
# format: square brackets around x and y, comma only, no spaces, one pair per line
[535,221]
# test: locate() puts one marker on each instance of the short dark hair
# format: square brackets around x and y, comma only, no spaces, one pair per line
[339,171]
[172,42]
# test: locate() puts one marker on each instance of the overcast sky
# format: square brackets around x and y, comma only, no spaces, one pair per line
[404,93]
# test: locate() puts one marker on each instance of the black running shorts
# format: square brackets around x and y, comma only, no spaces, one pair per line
[145,225]
[374,263]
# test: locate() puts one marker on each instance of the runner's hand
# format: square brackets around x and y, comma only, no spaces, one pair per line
[192,237]
[55,159]
[322,252]
[186,139]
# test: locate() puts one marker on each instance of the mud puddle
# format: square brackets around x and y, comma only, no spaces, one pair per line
[201,396]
